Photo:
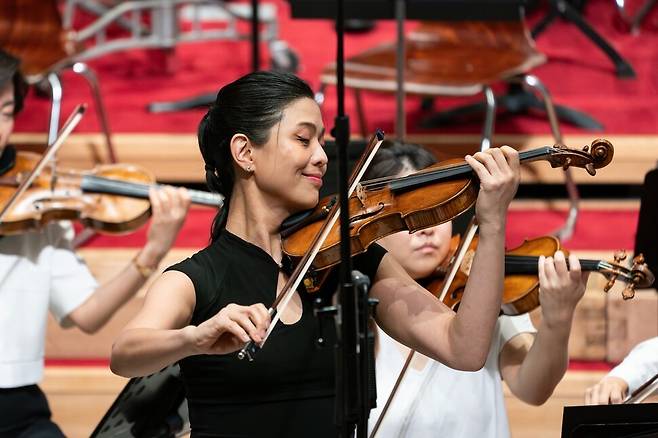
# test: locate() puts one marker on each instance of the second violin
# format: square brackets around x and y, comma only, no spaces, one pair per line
[521,284]
[110,198]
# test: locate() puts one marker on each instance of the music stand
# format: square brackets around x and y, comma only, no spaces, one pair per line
[608,421]
[148,407]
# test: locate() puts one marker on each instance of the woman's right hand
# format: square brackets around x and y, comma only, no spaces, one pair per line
[498,171]
[230,329]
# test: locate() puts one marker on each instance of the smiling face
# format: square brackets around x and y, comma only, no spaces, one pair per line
[6,113]
[289,167]
[422,252]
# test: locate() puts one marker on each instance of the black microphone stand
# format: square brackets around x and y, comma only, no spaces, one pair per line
[354,379]
[255,37]
[345,321]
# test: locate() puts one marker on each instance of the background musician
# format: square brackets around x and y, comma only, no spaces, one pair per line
[433,399]
[40,271]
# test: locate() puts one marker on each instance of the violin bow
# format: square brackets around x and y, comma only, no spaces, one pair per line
[50,152]
[282,300]
[644,391]
[454,267]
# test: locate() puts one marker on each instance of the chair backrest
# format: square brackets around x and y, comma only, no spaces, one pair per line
[458,52]
[447,57]
[32,31]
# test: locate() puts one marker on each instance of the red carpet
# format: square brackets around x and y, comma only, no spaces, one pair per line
[595,230]
[578,75]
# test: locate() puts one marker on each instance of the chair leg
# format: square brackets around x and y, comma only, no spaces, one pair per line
[82,69]
[489,118]
[67,16]
[56,106]
[642,14]
[572,190]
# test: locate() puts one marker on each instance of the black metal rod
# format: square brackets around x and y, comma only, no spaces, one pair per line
[255,37]
[346,366]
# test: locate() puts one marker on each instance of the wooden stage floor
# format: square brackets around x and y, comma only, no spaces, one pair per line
[80,396]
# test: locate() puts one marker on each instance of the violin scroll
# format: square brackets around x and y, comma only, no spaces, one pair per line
[638,275]
[642,277]
[595,156]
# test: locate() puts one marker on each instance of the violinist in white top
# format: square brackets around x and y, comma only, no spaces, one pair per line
[434,400]
[639,366]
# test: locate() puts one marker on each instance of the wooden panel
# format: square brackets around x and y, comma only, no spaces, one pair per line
[103,263]
[546,421]
[176,157]
[630,322]
[588,332]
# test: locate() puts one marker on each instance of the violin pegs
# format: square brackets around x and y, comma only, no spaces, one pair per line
[589,167]
[567,163]
[620,256]
[638,259]
[610,283]
[628,292]
[586,148]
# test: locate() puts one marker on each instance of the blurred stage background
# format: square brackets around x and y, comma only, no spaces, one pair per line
[78,382]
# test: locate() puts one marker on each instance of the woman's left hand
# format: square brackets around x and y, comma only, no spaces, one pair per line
[560,288]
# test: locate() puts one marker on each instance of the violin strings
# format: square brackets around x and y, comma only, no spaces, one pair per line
[141,190]
[430,176]
[520,261]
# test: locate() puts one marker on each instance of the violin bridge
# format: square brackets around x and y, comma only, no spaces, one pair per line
[361,194]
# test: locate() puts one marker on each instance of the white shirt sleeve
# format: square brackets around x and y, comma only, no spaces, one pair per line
[71,282]
[511,326]
[640,365]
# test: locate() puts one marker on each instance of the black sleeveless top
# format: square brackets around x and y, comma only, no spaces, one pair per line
[288,390]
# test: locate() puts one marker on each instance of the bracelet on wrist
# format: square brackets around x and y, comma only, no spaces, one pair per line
[144,270]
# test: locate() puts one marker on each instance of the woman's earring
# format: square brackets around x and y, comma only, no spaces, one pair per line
[248,169]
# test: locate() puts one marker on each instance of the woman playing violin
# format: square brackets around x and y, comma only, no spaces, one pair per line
[39,271]
[262,142]
[435,400]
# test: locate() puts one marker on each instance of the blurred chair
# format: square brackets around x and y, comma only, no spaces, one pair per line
[457,58]
[634,12]
[444,59]
[32,31]
[156,24]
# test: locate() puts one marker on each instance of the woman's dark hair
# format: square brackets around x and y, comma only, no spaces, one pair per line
[252,105]
[394,156]
[20,90]
[9,72]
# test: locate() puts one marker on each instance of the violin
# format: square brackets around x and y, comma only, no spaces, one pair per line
[33,192]
[385,206]
[426,198]
[521,283]
[109,198]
